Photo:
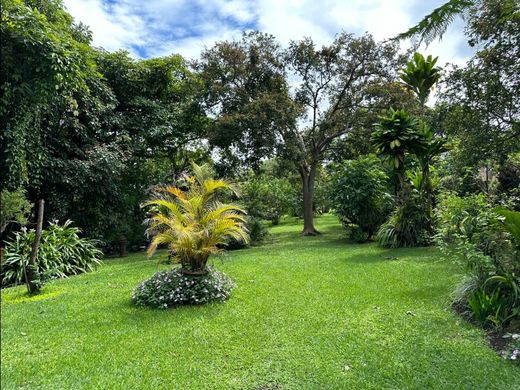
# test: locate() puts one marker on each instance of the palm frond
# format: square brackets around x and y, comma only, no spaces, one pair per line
[192,222]
[434,25]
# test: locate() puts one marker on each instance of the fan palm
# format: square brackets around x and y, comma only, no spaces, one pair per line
[192,222]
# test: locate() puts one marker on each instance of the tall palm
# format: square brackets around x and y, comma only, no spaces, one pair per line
[420,75]
[192,222]
[434,25]
[395,135]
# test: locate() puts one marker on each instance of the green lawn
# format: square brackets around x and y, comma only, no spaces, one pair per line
[308,313]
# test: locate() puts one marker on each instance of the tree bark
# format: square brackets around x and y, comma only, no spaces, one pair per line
[31,271]
[308,176]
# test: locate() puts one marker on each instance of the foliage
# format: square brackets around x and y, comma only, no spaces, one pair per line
[174,288]
[14,208]
[487,307]
[257,231]
[420,75]
[257,113]
[268,198]
[191,221]
[476,236]
[358,193]
[511,223]
[469,234]
[484,96]
[509,181]
[395,135]
[407,226]
[434,25]
[62,252]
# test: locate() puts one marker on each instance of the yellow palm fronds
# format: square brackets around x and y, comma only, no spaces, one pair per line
[192,222]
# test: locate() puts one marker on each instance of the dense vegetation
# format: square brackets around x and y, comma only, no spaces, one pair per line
[201,156]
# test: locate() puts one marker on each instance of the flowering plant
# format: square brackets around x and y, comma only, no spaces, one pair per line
[174,288]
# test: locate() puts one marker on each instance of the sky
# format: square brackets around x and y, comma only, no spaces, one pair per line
[152,28]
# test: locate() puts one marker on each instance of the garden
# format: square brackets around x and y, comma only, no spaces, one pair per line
[265,216]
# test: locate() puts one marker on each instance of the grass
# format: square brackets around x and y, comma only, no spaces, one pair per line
[308,313]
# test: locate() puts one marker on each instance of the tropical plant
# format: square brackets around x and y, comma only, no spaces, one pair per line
[434,25]
[407,226]
[482,240]
[191,221]
[396,135]
[420,75]
[511,223]
[62,252]
[359,194]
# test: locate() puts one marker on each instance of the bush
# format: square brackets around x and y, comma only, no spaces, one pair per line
[407,226]
[61,253]
[268,198]
[481,240]
[257,232]
[358,193]
[173,288]
[470,234]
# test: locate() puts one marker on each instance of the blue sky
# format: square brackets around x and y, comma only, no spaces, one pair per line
[149,28]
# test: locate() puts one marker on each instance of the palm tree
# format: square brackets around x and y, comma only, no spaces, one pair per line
[434,25]
[394,136]
[192,222]
[420,75]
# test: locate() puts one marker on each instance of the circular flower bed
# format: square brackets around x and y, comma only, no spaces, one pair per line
[173,288]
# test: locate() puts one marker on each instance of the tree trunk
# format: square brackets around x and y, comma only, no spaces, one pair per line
[308,175]
[31,271]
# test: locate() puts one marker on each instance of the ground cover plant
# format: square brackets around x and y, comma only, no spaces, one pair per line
[298,318]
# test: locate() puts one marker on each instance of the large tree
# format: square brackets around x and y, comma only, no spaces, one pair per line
[480,104]
[296,101]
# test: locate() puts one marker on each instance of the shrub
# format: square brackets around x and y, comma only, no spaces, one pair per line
[470,234]
[268,197]
[173,288]
[482,240]
[407,226]
[62,252]
[358,193]
[257,232]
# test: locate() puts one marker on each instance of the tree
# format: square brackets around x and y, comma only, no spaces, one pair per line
[420,75]
[254,106]
[14,208]
[192,222]
[480,104]
[395,136]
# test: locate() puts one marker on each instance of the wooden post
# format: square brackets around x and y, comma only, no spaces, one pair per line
[31,271]
[122,246]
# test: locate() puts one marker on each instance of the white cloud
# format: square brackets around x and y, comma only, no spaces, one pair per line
[161,27]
